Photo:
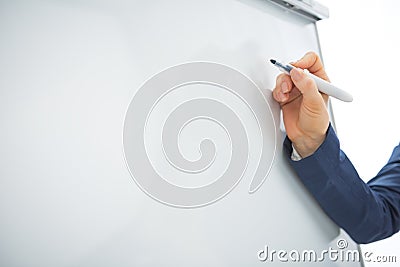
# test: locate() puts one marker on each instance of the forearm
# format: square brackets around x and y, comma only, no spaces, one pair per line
[359,209]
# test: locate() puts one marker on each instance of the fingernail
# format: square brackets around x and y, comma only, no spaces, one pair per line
[285,87]
[282,96]
[296,74]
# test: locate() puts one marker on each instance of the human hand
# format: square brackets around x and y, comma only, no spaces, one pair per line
[305,114]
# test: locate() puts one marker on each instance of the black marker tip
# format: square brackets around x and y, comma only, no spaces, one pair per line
[273,61]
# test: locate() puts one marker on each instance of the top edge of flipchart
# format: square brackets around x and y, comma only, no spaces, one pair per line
[307,8]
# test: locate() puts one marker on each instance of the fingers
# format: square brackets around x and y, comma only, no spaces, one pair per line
[313,63]
[306,86]
[283,87]
[289,88]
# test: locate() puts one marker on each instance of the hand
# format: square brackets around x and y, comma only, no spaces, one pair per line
[304,109]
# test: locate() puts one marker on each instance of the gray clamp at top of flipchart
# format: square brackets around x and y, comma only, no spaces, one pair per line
[308,8]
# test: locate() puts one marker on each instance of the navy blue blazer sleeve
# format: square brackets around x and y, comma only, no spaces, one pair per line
[366,211]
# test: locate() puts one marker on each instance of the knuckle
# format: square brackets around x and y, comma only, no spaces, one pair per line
[275,92]
[308,82]
[283,78]
[313,55]
[280,78]
[286,78]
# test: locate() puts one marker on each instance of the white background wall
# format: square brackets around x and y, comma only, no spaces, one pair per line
[360,46]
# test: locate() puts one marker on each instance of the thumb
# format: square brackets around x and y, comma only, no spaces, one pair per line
[306,85]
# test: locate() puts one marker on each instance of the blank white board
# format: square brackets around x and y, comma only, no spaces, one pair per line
[143,133]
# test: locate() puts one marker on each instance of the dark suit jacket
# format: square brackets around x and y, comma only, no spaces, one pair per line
[366,211]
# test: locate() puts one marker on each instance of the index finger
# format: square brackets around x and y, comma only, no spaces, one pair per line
[313,63]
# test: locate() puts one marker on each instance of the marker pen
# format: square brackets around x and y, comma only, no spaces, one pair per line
[322,85]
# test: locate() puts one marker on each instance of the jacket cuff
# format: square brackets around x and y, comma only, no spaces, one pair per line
[324,161]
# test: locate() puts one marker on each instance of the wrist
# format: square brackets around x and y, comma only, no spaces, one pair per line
[306,146]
